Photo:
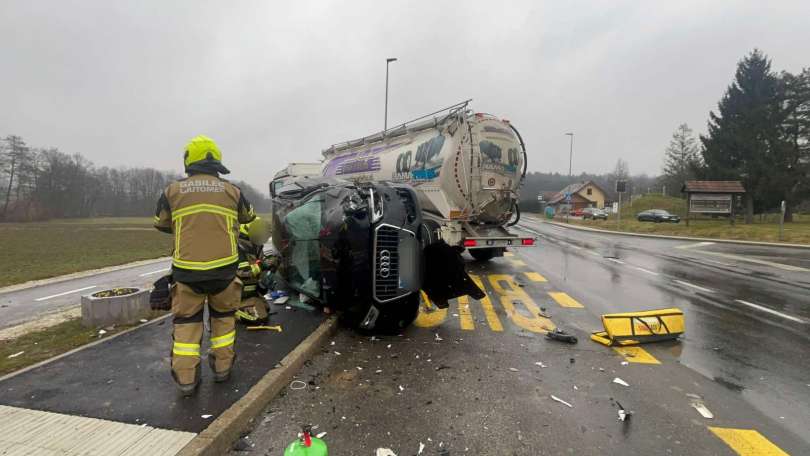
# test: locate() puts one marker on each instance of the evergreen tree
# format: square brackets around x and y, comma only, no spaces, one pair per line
[745,132]
[681,160]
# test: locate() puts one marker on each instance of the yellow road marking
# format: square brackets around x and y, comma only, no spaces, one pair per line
[514,295]
[465,317]
[517,263]
[637,355]
[508,254]
[564,300]
[489,311]
[747,442]
[535,277]
[429,315]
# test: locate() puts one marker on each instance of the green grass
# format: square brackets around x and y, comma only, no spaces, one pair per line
[39,250]
[765,227]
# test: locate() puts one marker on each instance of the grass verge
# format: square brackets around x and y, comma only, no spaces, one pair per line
[49,342]
[764,229]
[30,251]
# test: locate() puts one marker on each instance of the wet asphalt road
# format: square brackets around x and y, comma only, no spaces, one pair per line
[19,306]
[467,379]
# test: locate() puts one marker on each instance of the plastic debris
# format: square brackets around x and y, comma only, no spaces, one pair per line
[620,381]
[321,435]
[539,363]
[513,369]
[704,412]
[337,353]
[205,417]
[16,354]
[561,336]
[438,338]
[297,385]
[561,401]
[144,320]
[401,388]
[101,332]
[623,413]
[625,363]
[385,452]
[421,448]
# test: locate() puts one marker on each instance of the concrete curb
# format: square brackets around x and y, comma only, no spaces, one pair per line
[680,238]
[79,275]
[218,437]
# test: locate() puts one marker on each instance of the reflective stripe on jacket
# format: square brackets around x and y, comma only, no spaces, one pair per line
[203,212]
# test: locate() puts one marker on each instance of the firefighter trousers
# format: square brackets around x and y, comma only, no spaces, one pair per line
[187,307]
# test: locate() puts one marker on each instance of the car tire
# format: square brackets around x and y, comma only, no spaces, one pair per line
[482,254]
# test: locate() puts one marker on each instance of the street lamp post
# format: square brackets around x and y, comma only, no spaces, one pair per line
[570,163]
[387,62]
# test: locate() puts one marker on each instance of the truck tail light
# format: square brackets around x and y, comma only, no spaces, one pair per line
[527,241]
[470,243]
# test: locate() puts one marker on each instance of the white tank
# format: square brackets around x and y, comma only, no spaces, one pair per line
[465,166]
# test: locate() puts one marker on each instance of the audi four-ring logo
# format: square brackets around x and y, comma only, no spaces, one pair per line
[385,263]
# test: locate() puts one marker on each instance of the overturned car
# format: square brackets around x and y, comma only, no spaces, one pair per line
[364,251]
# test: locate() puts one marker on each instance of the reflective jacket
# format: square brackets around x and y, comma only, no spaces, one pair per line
[203,212]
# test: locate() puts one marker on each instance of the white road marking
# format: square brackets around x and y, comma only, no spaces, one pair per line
[615,260]
[595,253]
[730,256]
[574,246]
[646,270]
[154,272]
[65,293]
[696,287]
[718,262]
[771,311]
[691,246]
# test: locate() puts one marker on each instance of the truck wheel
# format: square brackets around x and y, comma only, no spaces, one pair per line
[398,315]
[482,254]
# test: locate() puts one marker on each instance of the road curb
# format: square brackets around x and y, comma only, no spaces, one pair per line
[218,437]
[79,275]
[680,238]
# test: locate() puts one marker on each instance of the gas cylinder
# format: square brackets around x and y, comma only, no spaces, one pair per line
[307,445]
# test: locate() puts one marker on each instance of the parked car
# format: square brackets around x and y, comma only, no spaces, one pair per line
[577,212]
[657,216]
[594,213]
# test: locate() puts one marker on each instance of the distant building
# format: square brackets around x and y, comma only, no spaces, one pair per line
[583,194]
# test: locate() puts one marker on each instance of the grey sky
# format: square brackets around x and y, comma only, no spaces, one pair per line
[273,82]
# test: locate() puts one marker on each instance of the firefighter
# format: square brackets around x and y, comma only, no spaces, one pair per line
[253,266]
[203,211]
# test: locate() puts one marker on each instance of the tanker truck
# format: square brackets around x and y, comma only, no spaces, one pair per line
[465,167]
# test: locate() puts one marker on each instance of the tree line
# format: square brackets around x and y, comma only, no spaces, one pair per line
[46,183]
[760,135]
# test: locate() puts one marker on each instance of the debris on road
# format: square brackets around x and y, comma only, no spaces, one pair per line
[438,338]
[321,435]
[623,413]
[101,332]
[16,354]
[144,320]
[561,336]
[539,363]
[205,417]
[385,452]
[265,328]
[513,369]
[297,385]
[243,444]
[561,401]
[632,328]
[625,363]
[421,448]
[702,409]
[337,353]
[401,388]
[620,381]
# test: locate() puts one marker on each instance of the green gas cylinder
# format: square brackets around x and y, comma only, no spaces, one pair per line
[307,445]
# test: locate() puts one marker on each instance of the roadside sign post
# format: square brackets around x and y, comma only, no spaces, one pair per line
[782,221]
[621,187]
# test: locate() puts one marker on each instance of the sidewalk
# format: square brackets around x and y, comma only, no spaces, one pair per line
[120,394]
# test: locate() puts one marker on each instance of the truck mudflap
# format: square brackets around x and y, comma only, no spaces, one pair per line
[632,328]
[446,277]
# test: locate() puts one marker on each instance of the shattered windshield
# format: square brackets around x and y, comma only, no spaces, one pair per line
[303,224]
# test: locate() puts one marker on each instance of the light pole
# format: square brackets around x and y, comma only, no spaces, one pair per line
[387,62]
[570,163]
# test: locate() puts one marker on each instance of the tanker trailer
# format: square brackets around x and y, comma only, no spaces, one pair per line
[466,168]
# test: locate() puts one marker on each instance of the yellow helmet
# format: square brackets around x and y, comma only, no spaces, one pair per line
[203,155]
[258,231]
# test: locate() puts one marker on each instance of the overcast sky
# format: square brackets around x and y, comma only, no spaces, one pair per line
[128,83]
